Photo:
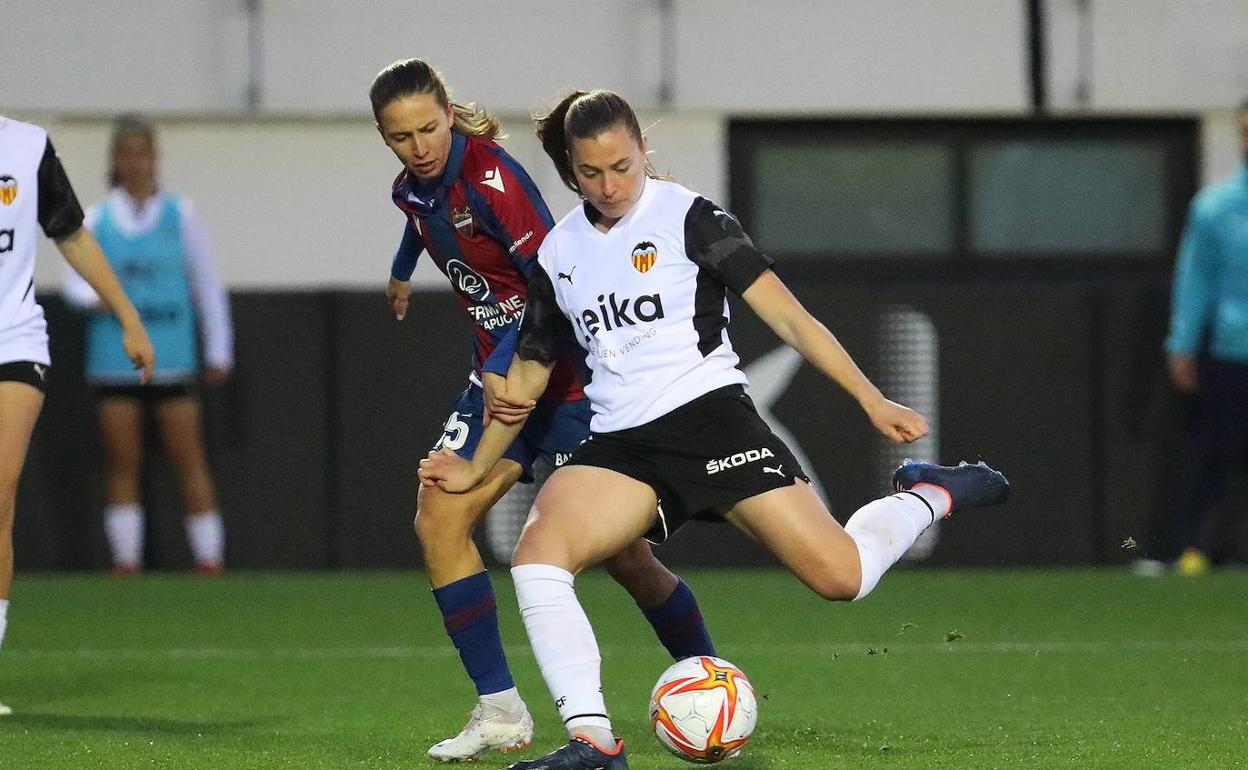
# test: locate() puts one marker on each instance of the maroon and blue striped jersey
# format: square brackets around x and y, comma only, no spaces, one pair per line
[481,223]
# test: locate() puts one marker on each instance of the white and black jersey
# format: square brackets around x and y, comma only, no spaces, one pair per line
[646,300]
[34,193]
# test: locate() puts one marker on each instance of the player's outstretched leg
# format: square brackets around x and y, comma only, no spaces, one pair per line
[968,485]
[580,753]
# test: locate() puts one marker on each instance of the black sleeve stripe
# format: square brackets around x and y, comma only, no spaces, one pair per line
[59,211]
[715,241]
[545,331]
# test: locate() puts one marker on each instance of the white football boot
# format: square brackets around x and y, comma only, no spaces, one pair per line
[5,710]
[487,728]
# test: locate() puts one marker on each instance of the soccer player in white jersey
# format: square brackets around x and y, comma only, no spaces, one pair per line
[36,193]
[636,277]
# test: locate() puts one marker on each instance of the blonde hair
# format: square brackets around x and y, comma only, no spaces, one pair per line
[414,76]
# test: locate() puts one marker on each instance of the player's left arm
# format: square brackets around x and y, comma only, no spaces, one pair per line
[722,247]
[518,216]
[779,309]
[60,215]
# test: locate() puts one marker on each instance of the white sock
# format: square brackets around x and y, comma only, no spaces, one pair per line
[504,702]
[563,643]
[884,529]
[123,523]
[4,618]
[206,533]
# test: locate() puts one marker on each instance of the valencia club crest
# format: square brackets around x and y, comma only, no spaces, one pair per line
[8,189]
[644,256]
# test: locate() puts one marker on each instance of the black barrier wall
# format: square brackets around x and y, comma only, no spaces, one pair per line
[316,439]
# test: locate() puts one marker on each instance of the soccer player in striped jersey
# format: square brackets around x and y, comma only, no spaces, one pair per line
[481,219]
[672,423]
[35,193]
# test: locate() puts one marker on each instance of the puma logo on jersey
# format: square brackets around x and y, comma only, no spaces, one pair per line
[739,459]
[494,178]
[614,314]
[42,371]
[778,470]
[567,276]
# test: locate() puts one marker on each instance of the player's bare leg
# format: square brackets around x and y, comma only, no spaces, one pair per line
[181,431]
[121,428]
[444,525]
[19,409]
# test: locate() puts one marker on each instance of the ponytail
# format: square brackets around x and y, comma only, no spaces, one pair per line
[584,115]
[552,134]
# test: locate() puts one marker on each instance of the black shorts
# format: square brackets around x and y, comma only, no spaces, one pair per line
[701,458]
[28,372]
[148,394]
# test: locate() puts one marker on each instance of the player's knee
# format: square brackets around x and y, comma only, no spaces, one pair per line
[440,520]
[536,546]
[835,585]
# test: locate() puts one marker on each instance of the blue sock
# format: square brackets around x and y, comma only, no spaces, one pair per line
[679,626]
[471,620]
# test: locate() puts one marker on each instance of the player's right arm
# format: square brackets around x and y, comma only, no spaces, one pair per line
[1192,296]
[445,469]
[399,288]
[544,331]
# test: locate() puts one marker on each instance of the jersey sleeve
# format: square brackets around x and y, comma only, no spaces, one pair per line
[212,301]
[716,243]
[499,360]
[545,331]
[515,209]
[410,247]
[1196,277]
[60,214]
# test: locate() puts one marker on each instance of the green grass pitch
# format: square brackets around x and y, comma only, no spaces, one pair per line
[1046,669]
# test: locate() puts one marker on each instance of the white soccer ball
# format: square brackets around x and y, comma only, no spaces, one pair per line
[703,709]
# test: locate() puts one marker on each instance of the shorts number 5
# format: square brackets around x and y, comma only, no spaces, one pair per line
[454,434]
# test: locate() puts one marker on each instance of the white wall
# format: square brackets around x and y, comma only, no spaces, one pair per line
[513,56]
[153,55]
[1150,55]
[851,56]
[295,193]
[304,203]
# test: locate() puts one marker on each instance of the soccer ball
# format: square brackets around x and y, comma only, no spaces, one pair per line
[703,709]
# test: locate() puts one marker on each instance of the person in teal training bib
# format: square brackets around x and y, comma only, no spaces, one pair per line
[159,249]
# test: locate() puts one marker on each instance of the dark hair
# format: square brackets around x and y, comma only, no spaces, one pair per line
[583,115]
[125,126]
[413,76]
